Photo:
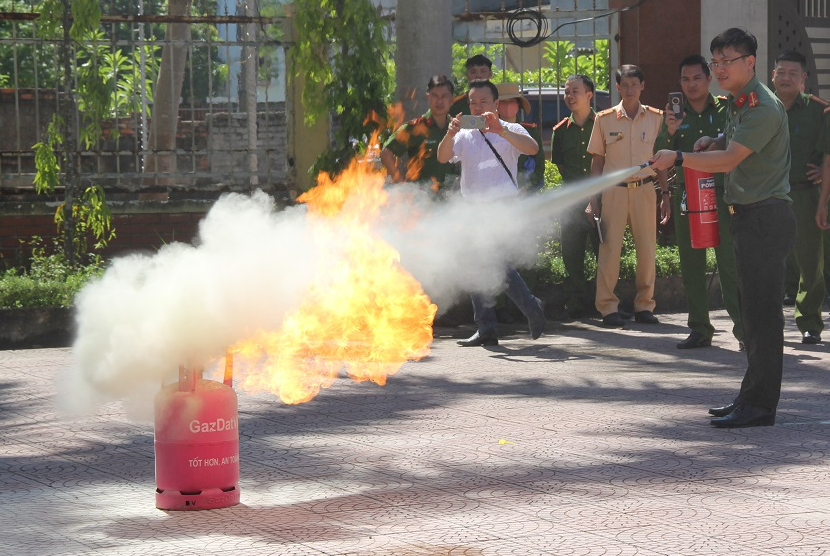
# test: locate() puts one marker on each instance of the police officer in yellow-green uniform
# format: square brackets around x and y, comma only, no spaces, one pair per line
[703,115]
[478,67]
[531,168]
[623,137]
[569,151]
[809,138]
[419,138]
[754,151]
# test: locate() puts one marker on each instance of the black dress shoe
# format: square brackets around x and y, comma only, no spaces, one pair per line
[537,321]
[478,340]
[613,320]
[695,340]
[746,416]
[645,317]
[810,337]
[724,410]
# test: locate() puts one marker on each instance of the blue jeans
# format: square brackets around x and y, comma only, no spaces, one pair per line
[484,311]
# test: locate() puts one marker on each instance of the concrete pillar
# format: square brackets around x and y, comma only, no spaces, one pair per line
[424,49]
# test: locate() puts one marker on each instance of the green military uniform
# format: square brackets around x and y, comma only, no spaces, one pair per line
[809,138]
[710,122]
[569,151]
[418,139]
[763,232]
[460,105]
[532,167]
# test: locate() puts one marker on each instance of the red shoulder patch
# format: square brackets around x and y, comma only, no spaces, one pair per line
[560,124]
[741,100]
[819,100]
[415,121]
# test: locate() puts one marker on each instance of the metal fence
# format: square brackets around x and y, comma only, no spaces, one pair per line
[230,131]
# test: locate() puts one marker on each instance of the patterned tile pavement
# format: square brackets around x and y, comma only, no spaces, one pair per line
[586,442]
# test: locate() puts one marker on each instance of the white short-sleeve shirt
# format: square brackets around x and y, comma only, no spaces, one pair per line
[483,178]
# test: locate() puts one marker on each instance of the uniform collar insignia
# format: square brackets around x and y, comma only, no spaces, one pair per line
[753,100]
[741,100]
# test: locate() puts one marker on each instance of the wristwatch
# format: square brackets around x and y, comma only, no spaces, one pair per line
[679,160]
[503,131]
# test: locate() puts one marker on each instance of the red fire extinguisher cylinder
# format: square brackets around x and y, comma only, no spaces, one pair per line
[701,200]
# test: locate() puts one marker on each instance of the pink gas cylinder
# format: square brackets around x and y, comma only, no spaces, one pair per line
[197,443]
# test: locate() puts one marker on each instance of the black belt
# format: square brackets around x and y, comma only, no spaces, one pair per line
[803,185]
[636,183]
[738,209]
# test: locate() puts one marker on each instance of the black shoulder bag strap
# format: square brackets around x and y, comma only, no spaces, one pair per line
[503,165]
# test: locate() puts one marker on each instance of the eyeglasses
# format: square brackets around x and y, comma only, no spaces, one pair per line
[725,63]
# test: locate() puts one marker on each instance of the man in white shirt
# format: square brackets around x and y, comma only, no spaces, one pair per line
[486,177]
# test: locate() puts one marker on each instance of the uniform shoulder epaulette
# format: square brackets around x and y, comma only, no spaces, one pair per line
[819,100]
[416,121]
[459,97]
[529,125]
[721,97]
[607,111]
[560,124]
[655,110]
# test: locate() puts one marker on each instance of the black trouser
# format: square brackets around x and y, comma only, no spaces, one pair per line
[763,238]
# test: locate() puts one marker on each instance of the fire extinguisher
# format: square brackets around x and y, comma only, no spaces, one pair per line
[702,207]
[197,442]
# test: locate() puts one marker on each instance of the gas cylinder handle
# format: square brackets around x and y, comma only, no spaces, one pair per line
[228,368]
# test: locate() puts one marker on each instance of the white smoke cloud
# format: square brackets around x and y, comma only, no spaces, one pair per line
[251,264]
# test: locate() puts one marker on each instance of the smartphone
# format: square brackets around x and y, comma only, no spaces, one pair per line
[676,104]
[473,122]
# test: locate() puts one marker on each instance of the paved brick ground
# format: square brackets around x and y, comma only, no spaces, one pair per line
[588,441]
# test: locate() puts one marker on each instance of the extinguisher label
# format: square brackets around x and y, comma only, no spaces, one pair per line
[708,206]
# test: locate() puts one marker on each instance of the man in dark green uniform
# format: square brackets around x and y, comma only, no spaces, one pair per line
[809,137]
[478,67]
[703,115]
[755,151]
[569,151]
[419,138]
[531,167]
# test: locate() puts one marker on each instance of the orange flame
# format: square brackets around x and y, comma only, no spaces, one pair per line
[364,312]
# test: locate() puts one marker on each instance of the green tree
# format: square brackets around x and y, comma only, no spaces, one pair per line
[342,52]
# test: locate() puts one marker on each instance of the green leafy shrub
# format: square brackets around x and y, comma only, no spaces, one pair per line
[50,281]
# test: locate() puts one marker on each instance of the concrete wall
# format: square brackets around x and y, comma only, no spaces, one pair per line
[752,15]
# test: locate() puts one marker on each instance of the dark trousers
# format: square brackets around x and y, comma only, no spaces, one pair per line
[763,238]
[693,270]
[809,258]
[576,234]
[484,304]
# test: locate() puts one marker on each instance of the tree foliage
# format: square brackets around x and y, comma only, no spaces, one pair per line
[562,59]
[342,52]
